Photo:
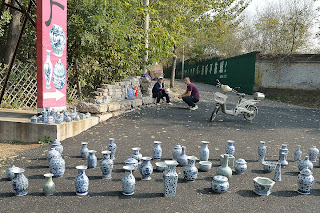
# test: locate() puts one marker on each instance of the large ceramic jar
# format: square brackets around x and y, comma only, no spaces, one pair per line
[262,150]
[128,181]
[283,159]
[190,172]
[182,159]
[106,165]
[136,154]
[305,164]
[170,179]
[305,181]
[157,150]
[146,168]
[82,181]
[48,186]
[92,159]
[84,152]
[230,149]
[52,153]
[176,151]
[313,154]
[112,147]
[10,173]
[204,151]
[47,69]
[132,162]
[241,166]
[57,146]
[57,166]
[297,153]
[20,182]
[224,169]
[220,184]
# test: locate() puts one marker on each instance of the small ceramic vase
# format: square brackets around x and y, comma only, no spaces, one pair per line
[313,154]
[170,178]
[283,149]
[57,166]
[157,150]
[220,184]
[305,181]
[297,153]
[190,172]
[305,164]
[132,162]
[146,168]
[176,151]
[48,186]
[84,150]
[82,181]
[88,114]
[241,166]
[92,159]
[283,159]
[204,151]
[57,146]
[68,118]
[230,149]
[277,173]
[106,165]
[20,182]
[10,173]
[182,159]
[52,153]
[224,169]
[128,181]
[112,147]
[136,154]
[34,119]
[262,150]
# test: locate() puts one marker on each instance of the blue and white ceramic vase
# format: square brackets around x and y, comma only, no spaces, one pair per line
[57,146]
[20,182]
[146,168]
[136,154]
[52,153]
[48,186]
[190,172]
[82,181]
[262,150]
[305,181]
[47,69]
[277,173]
[128,181]
[283,159]
[157,150]
[176,151]
[132,162]
[170,179]
[297,153]
[313,154]
[67,118]
[59,118]
[84,152]
[241,166]
[106,165]
[92,159]
[59,75]
[10,173]
[112,147]
[57,166]
[305,164]
[204,151]
[220,184]
[224,169]
[230,149]
[283,149]
[182,159]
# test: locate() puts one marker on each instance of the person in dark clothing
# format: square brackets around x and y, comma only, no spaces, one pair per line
[159,91]
[191,95]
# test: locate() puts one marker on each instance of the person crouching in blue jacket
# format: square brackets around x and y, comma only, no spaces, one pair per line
[159,91]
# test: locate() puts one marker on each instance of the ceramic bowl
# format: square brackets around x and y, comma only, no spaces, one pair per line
[269,166]
[161,166]
[262,185]
[205,166]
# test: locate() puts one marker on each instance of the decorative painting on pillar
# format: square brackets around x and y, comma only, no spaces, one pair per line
[51,54]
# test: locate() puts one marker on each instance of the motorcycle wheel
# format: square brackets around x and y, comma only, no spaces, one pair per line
[214,113]
[250,116]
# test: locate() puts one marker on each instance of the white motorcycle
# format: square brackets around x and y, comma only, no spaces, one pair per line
[246,107]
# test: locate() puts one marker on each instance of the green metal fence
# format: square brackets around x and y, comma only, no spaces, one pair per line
[238,71]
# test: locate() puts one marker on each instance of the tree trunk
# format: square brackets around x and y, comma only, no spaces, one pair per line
[13,32]
[173,71]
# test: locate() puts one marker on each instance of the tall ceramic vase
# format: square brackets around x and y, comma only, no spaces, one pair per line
[146,168]
[313,154]
[57,166]
[277,173]
[283,149]
[82,181]
[224,169]
[48,186]
[57,146]
[92,159]
[305,181]
[262,150]
[84,152]
[20,182]
[106,165]
[136,154]
[170,179]
[48,70]
[128,181]
[283,159]
[297,153]
[230,149]
[112,147]
[190,171]
[182,159]
[204,151]
[157,150]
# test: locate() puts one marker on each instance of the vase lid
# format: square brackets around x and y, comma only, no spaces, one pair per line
[262,142]
[106,152]
[306,171]
[205,142]
[56,142]
[220,178]
[92,151]
[230,141]
[136,148]
[241,161]
[130,161]
[84,143]
[177,146]
[157,142]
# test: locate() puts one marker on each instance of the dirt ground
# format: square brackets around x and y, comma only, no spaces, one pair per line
[10,149]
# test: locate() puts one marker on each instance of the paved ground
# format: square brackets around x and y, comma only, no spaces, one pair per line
[276,123]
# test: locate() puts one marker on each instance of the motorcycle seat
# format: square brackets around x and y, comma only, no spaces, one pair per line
[241,94]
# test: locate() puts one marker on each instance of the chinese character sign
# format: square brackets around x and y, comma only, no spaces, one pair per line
[51,54]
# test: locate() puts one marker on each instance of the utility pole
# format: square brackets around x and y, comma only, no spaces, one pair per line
[146,29]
